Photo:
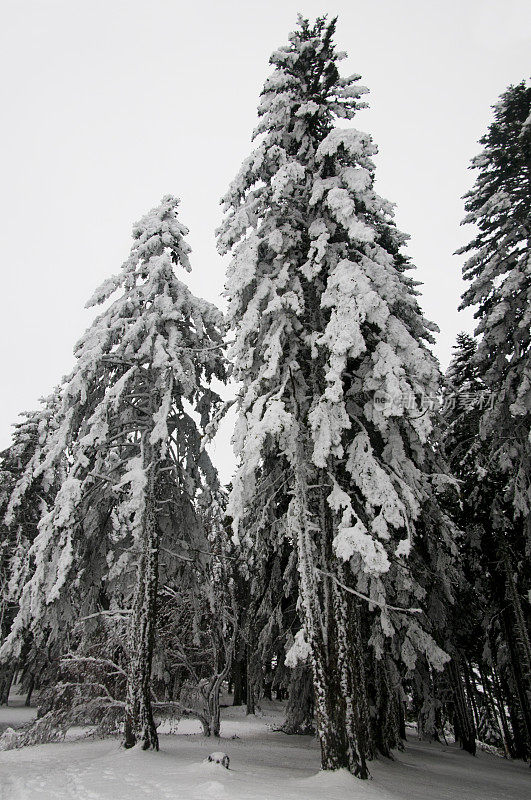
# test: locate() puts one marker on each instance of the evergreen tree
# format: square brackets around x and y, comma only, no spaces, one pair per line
[129,427]
[464,396]
[331,351]
[18,524]
[493,559]
[498,270]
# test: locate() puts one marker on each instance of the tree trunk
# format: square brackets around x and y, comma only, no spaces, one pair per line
[335,687]
[139,723]
[214,717]
[471,690]
[503,699]
[215,690]
[300,707]
[492,718]
[518,647]
[426,704]
[515,630]
[7,674]
[352,675]
[466,731]
[385,723]
[31,686]
[240,682]
[250,695]
[401,715]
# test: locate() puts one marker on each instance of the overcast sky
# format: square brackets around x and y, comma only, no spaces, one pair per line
[109,104]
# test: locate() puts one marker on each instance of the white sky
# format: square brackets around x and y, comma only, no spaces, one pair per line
[109,104]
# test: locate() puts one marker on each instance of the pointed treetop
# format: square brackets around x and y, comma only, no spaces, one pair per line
[306,89]
[463,371]
[157,233]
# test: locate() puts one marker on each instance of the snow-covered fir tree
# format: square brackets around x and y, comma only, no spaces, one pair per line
[18,525]
[498,270]
[331,352]
[130,424]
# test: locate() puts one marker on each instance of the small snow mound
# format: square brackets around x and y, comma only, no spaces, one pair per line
[211,790]
[219,758]
[338,784]
[9,739]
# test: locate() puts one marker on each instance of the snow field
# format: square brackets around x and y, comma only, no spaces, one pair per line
[265,765]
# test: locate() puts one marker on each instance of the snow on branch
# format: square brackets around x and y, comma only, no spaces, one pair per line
[369,599]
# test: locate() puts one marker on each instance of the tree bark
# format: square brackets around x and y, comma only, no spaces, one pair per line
[6,679]
[401,715]
[466,731]
[519,650]
[471,690]
[139,723]
[503,699]
[514,629]
[250,693]
[385,722]
[492,717]
[300,707]
[31,686]
[333,645]
[352,676]
[239,678]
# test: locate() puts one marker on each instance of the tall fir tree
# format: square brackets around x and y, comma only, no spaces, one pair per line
[498,270]
[499,273]
[333,431]
[130,427]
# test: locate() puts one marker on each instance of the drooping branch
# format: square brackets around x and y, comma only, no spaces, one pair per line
[369,599]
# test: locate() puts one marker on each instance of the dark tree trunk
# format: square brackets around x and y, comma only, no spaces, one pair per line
[139,723]
[471,690]
[515,743]
[425,703]
[250,698]
[31,685]
[251,684]
[504,699]
[464,722]
[240,680]
[517,666]
[7,674]
[384,722]
[515,631]
[214,711]
[300,708]
[401,715]
[490,706]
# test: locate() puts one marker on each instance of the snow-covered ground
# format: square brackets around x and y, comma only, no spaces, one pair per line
[16,714]
[264,765]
